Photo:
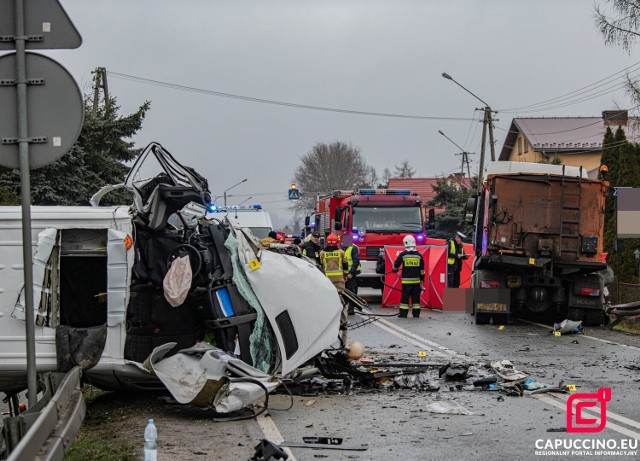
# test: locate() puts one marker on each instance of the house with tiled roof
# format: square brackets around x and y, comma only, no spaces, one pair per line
[575,141]
[424,186]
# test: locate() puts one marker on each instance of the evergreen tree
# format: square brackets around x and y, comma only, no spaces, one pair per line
[96,159]
[610,157]
[621,159]
[453,197]
[8,197]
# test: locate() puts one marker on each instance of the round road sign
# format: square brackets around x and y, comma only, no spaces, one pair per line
[55,111]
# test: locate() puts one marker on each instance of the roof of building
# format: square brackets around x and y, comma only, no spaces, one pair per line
[564,134]
[423,186]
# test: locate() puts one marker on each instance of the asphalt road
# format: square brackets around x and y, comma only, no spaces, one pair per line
[400,423]
[397,423]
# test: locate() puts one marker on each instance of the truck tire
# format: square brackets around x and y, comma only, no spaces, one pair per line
[589,317]
[483,318]
[593,317]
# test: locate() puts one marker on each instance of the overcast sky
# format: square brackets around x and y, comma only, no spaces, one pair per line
[368,56]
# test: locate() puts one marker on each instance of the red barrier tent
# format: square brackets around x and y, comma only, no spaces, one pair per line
[435,258]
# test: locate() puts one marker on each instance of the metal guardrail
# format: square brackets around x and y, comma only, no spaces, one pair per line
[47,430]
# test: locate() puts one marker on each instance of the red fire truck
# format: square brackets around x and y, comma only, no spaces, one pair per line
[374,218]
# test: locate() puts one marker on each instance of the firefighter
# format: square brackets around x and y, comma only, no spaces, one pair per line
[351,252]
[311,248]
[455,255]
[412,264]
[334,263]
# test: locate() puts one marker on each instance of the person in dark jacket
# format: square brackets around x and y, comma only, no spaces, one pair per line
[311,248]
[455,255]
[351,252]
[412,264]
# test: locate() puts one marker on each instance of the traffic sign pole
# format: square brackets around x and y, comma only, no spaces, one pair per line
[56,118]
[25,192]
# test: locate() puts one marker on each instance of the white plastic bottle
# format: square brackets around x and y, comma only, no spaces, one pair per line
[150,442]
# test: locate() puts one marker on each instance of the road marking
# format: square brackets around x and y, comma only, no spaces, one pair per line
[271,432]
[418,340]
[606,341]
[443,351]
[610,415]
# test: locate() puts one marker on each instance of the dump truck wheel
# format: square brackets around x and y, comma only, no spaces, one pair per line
[482,318]
[593,317]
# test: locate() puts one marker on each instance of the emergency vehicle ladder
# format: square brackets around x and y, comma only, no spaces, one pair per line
[570,215]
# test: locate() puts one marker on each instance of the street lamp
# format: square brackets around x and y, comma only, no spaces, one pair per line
[487,122]
[227,190]
[465,156]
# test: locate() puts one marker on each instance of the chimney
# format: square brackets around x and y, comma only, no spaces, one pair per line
[615,117]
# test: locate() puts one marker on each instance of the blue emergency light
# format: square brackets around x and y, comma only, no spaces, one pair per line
[384,192]
[212,208]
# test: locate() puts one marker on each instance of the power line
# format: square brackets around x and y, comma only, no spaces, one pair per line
[577,92]
[221,94]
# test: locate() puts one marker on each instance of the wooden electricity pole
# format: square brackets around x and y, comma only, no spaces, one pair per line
[100,81]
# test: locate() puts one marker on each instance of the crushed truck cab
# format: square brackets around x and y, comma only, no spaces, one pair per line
[101,276]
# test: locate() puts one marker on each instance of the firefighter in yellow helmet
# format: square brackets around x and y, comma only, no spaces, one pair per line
[334,263]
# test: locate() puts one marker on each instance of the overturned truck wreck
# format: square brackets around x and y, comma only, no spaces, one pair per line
[112,284]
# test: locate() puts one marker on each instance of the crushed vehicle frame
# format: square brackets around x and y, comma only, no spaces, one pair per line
[99,273]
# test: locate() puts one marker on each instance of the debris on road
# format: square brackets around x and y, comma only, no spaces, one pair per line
[448,407]
[266,450]
[568,327]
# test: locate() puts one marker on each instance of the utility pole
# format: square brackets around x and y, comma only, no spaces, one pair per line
[100,81]
[465,156]
[488,111]
[487,123]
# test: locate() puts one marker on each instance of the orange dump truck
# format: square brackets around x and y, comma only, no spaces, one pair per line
[538,243]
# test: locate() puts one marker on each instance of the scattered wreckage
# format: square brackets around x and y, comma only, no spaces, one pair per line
[154,295]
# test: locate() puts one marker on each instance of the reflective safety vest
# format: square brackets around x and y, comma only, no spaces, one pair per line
[349,255]
[412,266]
[452,251]
[332,263]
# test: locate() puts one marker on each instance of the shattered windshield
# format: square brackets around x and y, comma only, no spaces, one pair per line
[387,219]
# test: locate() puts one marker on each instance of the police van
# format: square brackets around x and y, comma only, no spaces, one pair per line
[253,217]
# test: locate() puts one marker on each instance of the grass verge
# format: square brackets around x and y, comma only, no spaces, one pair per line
[105,434]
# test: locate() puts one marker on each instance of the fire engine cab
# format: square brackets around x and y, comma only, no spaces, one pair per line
[373,218]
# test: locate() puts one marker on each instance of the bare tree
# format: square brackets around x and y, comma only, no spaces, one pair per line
[328,167]
[372,179]
[619,24]
[386,176]
[404,170]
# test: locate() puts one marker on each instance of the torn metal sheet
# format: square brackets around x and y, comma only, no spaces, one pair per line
[208,377]
[305,315]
